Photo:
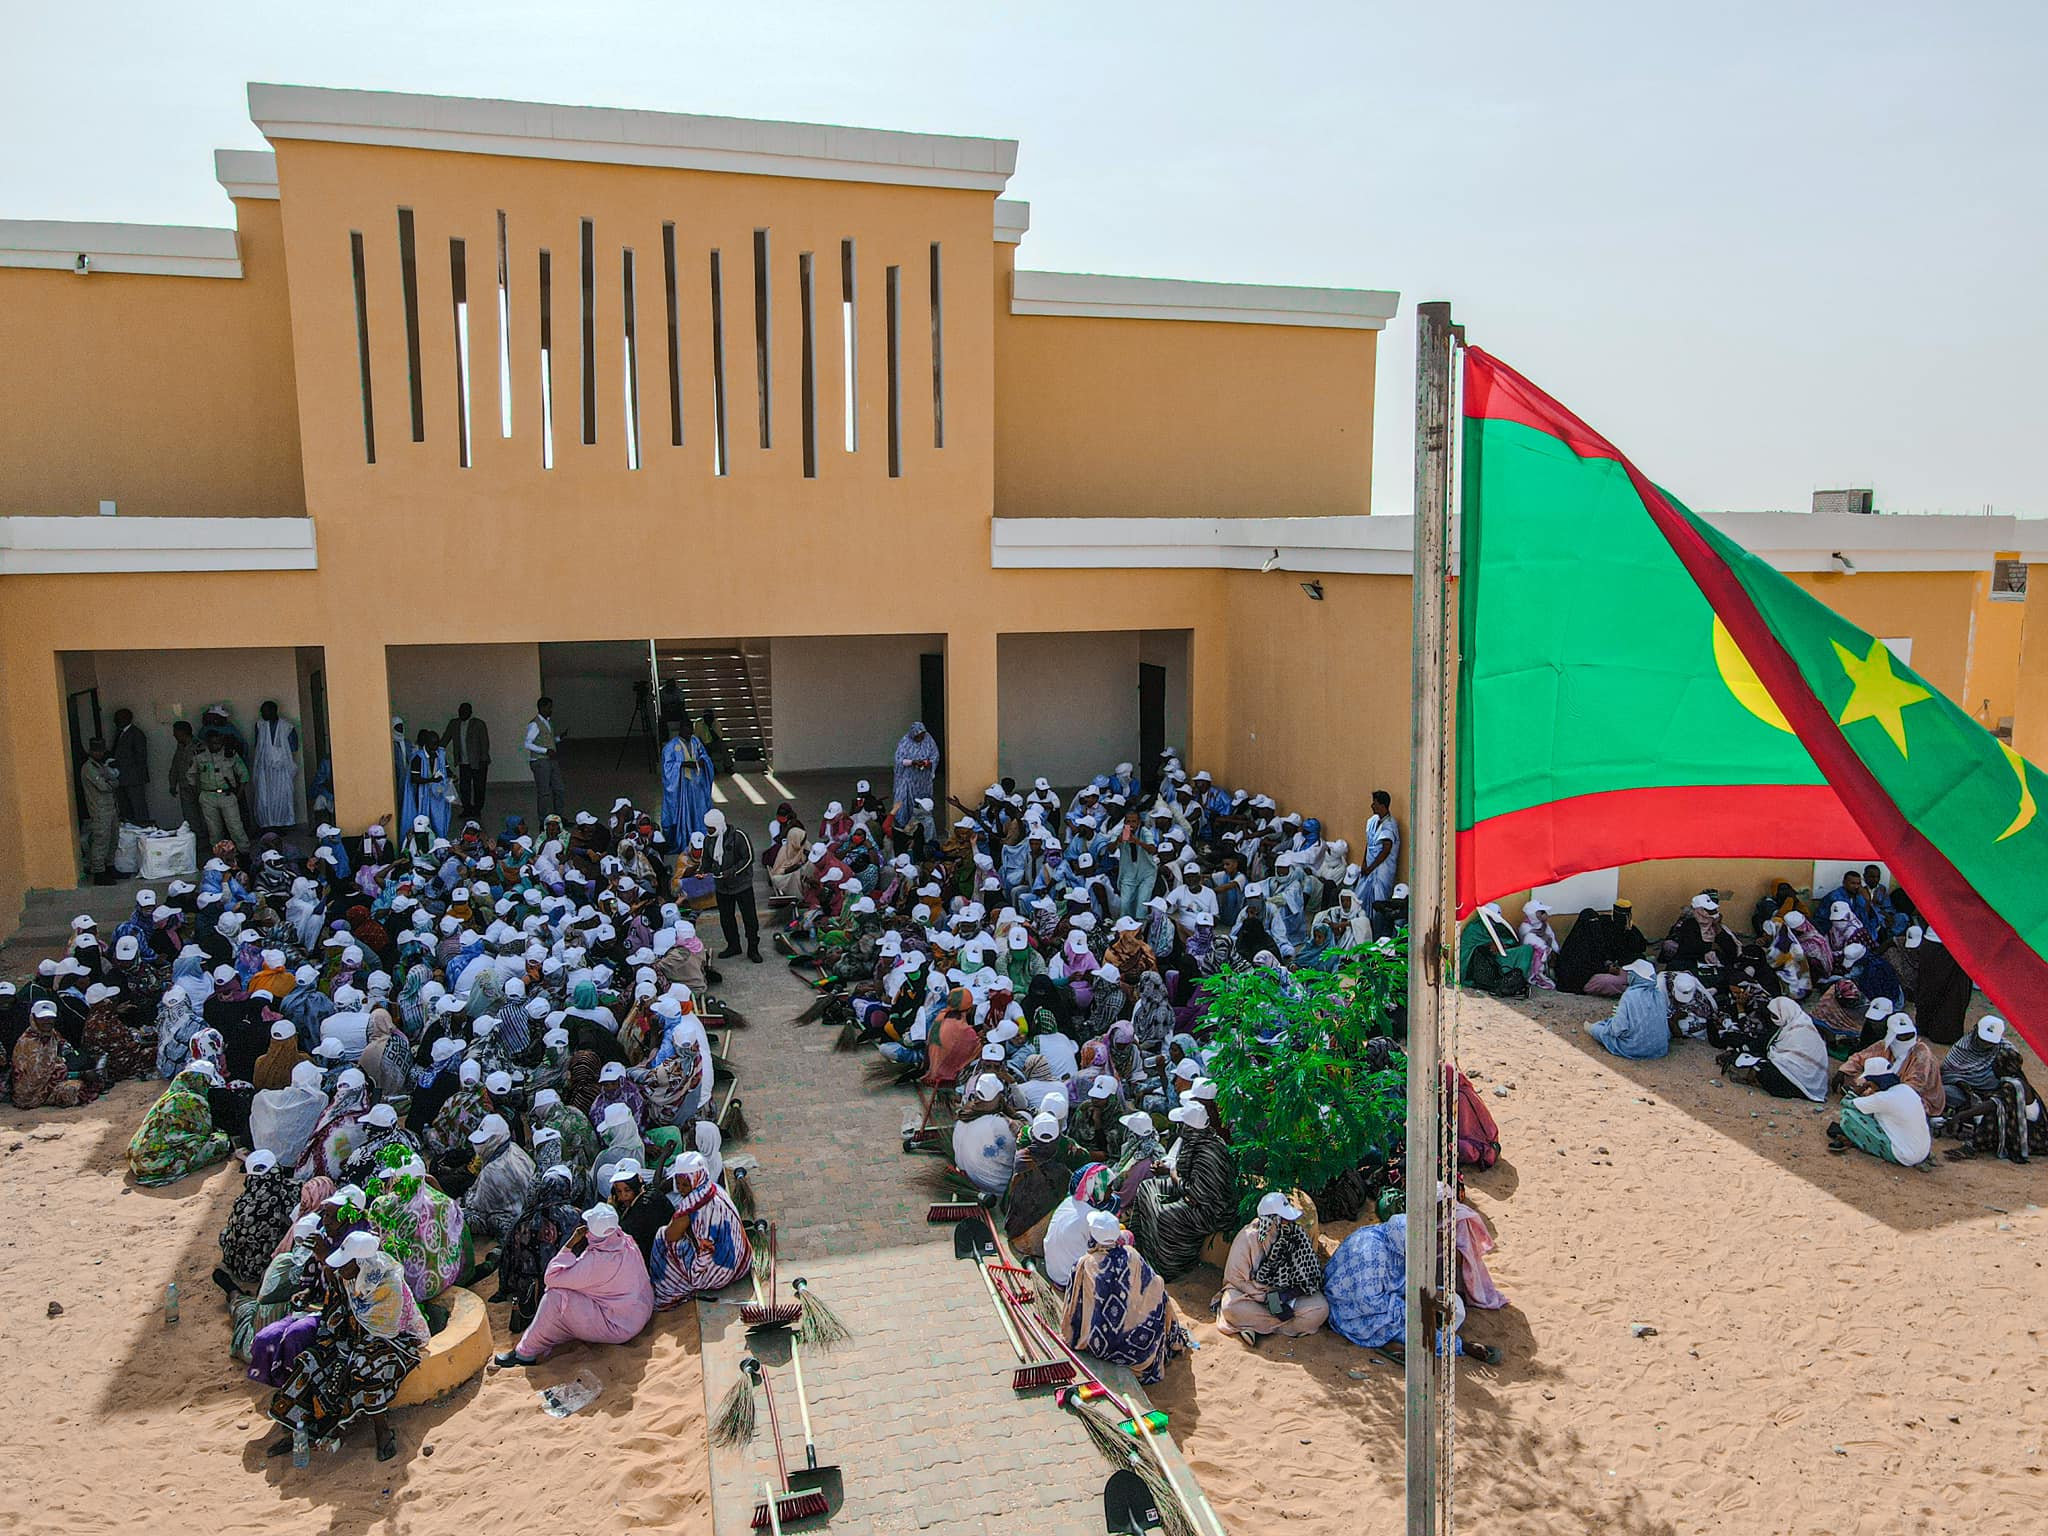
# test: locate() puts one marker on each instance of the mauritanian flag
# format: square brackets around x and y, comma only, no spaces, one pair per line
[1634,685]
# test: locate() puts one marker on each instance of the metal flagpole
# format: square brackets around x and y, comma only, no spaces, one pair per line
[1431,1178]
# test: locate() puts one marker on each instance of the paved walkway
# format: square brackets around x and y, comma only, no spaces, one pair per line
[917,1408]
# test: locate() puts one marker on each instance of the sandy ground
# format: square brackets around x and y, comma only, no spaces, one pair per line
[1842,1346]
[112,1419]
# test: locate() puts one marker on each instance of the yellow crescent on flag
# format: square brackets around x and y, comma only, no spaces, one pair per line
[1742,680]
[2026,812]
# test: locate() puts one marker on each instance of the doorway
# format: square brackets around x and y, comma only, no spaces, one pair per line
[1151,723]
[931,704]
[82,709]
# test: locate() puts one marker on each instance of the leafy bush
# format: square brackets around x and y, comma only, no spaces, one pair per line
[1315,1097]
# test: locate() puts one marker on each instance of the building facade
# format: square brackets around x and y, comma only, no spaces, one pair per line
[479,399]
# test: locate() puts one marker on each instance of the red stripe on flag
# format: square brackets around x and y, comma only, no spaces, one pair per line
[1997,958]
[1527,848]
[1495,392]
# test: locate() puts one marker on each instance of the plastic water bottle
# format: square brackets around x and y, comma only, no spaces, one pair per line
[302,1447]
[170,1304]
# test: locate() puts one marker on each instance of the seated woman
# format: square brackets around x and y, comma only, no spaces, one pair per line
[1536,932]
[354,1371]
[2008,1121]
[1171,1217]
[597,1292]
[1366,1285]
[262,1214]
[1273,1279]
[1693,1009]
[340,1130]
[1117,1308]
[579,1140]
[1906,1056]
[1640,1026]
[502,1173]
[984,1136]
[1969,1071]
[704,1246]
[421,1228]
[621,1143]
[1488,949]
[270,1299]
[176,1136]
[1795,1060]
[536,1237]
[380,1132]
[1886,1119]
[1838,1013]
[48,1073]
[1043,1174]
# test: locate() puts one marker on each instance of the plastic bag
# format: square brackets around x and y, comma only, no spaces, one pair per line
[127,855]
[164,854]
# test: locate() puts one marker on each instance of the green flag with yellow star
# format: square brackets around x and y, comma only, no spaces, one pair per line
[1633,684]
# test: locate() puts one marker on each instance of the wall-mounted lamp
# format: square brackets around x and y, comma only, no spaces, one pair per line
[82,265]
[1314,589]
[1843,563]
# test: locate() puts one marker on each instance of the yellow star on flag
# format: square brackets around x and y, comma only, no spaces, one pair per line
[1879,693]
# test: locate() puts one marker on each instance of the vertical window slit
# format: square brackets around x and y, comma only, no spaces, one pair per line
[458,289]
[810,367]
[892,299]
[675,340]
[589,332]
[849,355]
[718,460]
[938,358]
[761,368]
[632,368]
[409,275]
[504,334]
[355,254]
[547,361]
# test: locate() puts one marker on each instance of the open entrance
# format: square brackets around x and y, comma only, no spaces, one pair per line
[1072,705]
[164,690]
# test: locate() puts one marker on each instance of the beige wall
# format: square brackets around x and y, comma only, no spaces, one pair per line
[2030,694]
[171,396]
[1164,418]
[843,702]
[1992,681]
[1068,707]
[499,681]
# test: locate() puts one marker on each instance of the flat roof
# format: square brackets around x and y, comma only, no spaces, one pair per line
[1165,298]
[620,136]
[155,250]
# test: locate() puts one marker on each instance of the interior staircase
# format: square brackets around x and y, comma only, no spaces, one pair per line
[732,682]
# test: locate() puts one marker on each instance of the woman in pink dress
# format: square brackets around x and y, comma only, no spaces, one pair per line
[597,1291]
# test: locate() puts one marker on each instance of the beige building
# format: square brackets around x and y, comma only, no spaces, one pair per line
[484,399]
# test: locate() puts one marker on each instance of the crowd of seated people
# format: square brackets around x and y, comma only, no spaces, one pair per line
[1847,995]
[1034,970]
[439,1060]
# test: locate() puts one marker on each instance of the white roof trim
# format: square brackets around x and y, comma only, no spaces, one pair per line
[60,546]
[1160,298]
[156,250]
[614,136]
[1791,541]
[1013,218]
[246,173]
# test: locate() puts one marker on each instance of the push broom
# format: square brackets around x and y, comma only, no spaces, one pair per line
[761,1312]
[1030,1374]
[788,1503]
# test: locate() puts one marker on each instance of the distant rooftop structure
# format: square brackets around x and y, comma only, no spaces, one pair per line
[1843,501]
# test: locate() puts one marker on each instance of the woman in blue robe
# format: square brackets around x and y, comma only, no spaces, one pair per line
[428,777]
[686,774]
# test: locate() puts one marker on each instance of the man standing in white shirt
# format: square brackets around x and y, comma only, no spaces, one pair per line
[542,756]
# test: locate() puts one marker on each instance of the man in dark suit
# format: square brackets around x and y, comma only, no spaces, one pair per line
[468,741]
[131,760]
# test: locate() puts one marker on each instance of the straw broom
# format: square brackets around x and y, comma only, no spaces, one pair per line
[733,1424]
[818,1325]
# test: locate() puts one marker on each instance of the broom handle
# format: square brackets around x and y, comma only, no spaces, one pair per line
[775,1426]
[1002,1311]
[803,1403]
[774,1519]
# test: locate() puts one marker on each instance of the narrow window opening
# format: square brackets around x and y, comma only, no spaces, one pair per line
[458,288]
[589,332]
[409,275]
[718,460]
[675,338]
[355,254]
[938,357]
[810,365]
[761,370]
[504,334]
[892,298]
[547,361]
[632,370]
[848,343]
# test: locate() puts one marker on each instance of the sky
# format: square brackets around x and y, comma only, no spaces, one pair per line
[1766,249]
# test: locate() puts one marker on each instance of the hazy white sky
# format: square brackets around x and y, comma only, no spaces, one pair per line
[1764,247]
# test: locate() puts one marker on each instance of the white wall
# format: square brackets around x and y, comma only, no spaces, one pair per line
[1066,706]
[499,681]
[163,686]
[843,702]
[591,683]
